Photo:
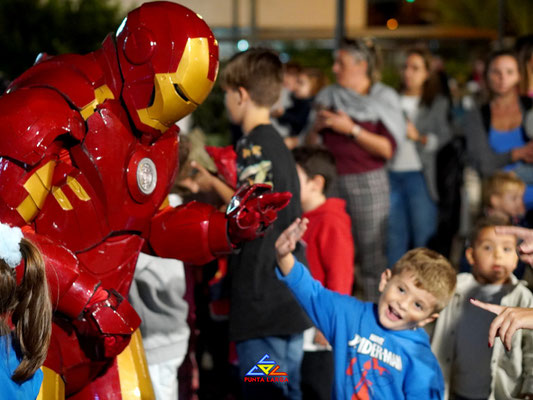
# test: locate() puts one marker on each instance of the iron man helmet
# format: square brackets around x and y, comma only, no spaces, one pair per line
[169,62]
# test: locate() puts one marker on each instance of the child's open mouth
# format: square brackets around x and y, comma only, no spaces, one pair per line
[392,314]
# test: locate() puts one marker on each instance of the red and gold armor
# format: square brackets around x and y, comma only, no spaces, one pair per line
[88,153]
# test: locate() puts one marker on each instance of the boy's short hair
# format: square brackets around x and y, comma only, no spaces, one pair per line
[259,71]
[432,272]
[315,160]
[486,222]
[497,182]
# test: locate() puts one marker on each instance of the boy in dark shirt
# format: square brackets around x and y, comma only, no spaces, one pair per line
[265,319]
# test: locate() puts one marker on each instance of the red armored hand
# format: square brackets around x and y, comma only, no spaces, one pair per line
[252,210]
[106,324]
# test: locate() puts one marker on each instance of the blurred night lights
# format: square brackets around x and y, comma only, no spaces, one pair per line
[392,24]
[243,45]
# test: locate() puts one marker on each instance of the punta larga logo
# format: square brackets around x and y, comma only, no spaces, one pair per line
[265,370]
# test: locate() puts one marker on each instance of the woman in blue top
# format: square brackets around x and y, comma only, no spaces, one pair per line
[25,315]
[498,133]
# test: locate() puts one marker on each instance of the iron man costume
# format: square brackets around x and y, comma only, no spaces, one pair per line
[89,151]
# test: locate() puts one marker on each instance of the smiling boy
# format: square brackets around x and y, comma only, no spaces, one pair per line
[379,350]
[471,369]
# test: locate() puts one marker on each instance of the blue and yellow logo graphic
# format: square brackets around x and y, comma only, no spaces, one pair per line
[265,370]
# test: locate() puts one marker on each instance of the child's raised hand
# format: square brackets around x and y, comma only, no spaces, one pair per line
[507,322]
[286,243]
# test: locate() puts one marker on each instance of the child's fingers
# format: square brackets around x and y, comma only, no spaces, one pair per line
[493,331]
[493,308]
[286,239]
[495,328]
[522,233]
[301,228]
[507,340]
[525,248]
[504,328]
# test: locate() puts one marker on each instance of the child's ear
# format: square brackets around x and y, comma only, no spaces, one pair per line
[243,94]
[385,278]
[319,181]
[469,253]
[428,320]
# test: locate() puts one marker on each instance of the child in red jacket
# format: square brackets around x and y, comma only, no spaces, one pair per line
[330,253]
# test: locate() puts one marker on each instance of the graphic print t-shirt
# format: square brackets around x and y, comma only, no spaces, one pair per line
[371,362]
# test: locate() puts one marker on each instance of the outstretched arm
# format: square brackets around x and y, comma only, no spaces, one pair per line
[507,322]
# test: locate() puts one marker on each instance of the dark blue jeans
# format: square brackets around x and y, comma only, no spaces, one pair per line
[413,214]
[286,351]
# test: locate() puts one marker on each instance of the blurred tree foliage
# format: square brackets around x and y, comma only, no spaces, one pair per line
[211,117]
[30,27]
[484,14]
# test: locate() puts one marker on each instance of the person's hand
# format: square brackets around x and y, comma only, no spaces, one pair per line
[412,132]
[252,210]
[286,242]
[507,322]
[525,249]
[320,339]
[106,324]
[524,153]
[202,177]
[339,121]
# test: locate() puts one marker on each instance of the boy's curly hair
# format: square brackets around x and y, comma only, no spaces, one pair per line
[432,272]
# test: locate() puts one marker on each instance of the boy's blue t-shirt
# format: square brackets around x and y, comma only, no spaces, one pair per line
[9,361]
[371,362]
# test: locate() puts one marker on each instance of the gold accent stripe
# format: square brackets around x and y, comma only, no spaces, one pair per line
[101,94]
[165,203]
[38,186]
[28,209]
[36,190]
[135,383]
[77,189]
[53,387]
[46,172]
[61,198]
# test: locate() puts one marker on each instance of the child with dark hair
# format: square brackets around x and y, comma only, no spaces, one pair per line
[471,369]
[25,315]
[330,252]
[308,83]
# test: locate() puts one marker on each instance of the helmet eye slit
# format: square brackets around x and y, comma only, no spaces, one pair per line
[152,98]
[180,92]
